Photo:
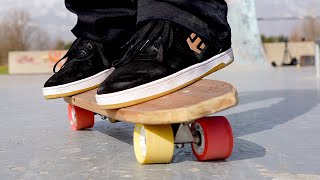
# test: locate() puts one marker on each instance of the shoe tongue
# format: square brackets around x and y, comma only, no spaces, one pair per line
[83,43]
[80,48]
[151,51]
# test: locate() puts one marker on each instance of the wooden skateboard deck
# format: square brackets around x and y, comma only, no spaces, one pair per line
[200,99]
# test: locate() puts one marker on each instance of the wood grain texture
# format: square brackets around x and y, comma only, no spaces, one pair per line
[200,99]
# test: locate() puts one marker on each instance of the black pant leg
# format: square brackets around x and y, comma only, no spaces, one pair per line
[208,18]
[104,20]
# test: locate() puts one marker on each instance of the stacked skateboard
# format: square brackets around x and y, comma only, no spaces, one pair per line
[174,119]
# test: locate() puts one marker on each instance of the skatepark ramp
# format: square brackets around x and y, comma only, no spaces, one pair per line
[246,39]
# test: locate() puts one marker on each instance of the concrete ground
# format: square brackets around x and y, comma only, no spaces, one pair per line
[276,128]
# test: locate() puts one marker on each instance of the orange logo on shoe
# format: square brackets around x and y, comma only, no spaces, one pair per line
[195,43]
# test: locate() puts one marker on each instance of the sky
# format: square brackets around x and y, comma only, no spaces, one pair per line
[54,18]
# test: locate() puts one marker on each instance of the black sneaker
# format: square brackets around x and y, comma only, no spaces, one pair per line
[85,68]
[163,57]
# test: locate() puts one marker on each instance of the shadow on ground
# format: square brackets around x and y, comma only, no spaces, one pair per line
[255,118]
[293,103]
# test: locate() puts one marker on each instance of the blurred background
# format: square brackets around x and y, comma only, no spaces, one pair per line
[288,30]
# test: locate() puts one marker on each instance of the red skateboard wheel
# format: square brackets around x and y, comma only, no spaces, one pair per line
[213,138]
[80,118]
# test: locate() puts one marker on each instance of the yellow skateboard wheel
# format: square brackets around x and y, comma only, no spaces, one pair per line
[153,144]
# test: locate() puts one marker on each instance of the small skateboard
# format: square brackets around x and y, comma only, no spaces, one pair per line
[175,119]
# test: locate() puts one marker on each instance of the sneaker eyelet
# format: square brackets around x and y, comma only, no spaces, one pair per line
[83,53]
[89,46]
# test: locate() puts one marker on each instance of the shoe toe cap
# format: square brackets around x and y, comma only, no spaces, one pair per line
[51,82]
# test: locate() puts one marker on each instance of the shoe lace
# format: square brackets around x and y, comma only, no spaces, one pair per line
[145,37]
[78,53]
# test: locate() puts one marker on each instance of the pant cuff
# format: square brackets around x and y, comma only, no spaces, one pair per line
[170,12]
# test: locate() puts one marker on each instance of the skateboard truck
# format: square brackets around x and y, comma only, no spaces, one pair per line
[184,134]
[106,118]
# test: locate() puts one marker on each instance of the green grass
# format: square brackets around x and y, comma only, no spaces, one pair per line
[3,69]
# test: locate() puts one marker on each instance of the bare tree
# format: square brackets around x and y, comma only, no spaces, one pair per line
[295,35]
[39,40]
[311,30]
[17,29]
[59,44]
[19,33]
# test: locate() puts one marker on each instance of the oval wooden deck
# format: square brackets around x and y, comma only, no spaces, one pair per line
[200,99]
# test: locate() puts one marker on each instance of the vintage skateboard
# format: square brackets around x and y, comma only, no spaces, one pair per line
[174,119]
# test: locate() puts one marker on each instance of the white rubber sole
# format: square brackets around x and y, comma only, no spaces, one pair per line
[165,85]
[77,86]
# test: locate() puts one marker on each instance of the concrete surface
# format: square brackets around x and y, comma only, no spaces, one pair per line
[276,128]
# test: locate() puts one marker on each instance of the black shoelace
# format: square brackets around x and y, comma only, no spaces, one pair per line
[147,36]
[77,53]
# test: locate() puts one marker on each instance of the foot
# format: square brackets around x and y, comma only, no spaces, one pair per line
[163,57]
[85,68]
